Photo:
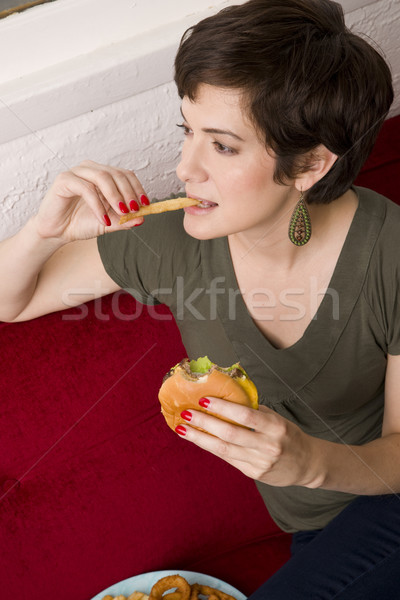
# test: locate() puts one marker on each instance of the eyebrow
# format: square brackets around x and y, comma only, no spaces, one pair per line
[218,131]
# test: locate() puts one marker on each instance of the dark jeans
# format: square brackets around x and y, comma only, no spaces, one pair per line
[355,557]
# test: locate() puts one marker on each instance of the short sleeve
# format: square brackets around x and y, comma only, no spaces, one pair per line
[393,309]
[146,260]
[383,286]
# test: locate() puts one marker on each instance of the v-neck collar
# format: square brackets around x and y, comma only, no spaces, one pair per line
[300,362]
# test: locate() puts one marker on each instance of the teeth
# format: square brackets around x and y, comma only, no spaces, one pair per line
[205,204]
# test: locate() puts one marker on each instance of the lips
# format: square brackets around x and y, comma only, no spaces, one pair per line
[203,203]
[207,204]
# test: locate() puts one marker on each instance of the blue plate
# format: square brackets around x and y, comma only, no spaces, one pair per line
[144,583]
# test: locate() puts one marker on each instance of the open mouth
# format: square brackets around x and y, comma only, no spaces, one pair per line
[204,207]
[207,204]
[203,203]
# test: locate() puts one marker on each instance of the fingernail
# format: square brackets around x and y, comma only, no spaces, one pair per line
[133,205]
[187,415]
[204,402]
[107,221]
[123,208]
[144,200]
[180,429]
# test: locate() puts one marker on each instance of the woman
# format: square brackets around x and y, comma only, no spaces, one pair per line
[284,266]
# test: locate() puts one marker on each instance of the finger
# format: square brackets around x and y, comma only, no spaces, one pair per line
[107,183]
[140,194]
[243,415]
[69,186]
[226,450]
[231,433]
[252,461]
[114,218]
[128,184]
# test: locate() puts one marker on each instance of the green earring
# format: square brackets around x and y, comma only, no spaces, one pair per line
[300,223]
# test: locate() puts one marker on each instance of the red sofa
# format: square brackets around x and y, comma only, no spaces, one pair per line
[94,487]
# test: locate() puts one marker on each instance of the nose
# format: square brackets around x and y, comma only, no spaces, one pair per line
[191,167]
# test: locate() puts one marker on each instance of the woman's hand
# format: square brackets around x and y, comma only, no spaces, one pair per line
[272,449]
[87,201]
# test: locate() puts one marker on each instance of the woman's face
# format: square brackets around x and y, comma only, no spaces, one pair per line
[225,164]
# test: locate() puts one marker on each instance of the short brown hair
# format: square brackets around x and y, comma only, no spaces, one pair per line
[307,80]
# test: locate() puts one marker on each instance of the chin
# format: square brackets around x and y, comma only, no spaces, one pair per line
[202,231]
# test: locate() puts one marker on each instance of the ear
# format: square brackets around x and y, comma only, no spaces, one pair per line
[317,164]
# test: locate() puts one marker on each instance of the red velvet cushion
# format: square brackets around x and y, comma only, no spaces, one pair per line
[106,490]
[381,172]
[94,487]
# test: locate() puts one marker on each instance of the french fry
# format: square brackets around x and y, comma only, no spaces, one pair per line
[159,207]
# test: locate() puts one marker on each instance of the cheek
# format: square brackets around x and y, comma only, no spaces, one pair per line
[249,179]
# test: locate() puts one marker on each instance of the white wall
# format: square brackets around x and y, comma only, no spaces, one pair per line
[100,87]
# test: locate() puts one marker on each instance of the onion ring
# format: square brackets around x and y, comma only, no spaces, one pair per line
[210,592]
[167,583]
[184,591]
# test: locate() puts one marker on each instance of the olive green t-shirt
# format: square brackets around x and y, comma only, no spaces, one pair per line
[331,381]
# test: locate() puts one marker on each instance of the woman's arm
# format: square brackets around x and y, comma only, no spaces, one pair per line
[275,451]
[51,280]
[371,468]
[55,255]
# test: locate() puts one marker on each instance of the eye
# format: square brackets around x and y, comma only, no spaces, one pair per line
[223,149]
[186,129]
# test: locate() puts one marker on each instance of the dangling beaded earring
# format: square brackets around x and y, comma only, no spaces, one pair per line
[300,223]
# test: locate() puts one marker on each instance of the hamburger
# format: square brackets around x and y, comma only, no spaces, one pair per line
[190,380]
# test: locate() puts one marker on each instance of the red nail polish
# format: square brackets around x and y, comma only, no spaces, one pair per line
[123,208]
[144,200]
[204,402]
[180,429]
[106,220]
[133,205]
[187,415]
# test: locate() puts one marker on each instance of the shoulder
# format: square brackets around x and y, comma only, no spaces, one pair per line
[386,217]
[373,202]
[382,283]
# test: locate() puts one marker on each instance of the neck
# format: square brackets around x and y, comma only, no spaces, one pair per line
[273,246]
